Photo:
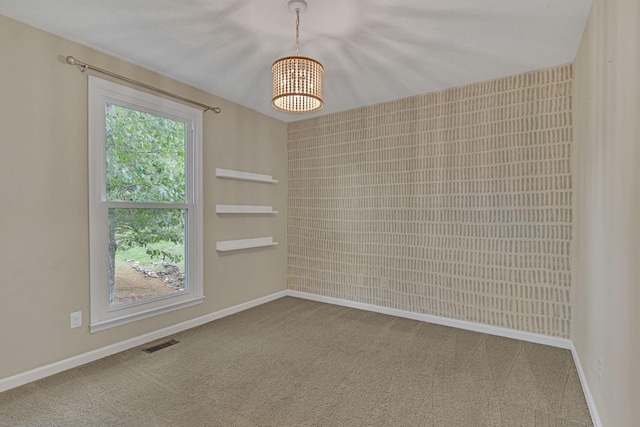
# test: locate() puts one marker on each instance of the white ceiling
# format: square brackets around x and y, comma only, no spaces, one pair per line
[372,50]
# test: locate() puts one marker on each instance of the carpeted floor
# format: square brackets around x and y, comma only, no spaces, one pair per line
[294,362]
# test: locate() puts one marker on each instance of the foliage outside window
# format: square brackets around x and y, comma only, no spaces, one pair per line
[145,210]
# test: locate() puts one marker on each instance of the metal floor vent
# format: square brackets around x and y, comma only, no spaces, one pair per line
[160,346]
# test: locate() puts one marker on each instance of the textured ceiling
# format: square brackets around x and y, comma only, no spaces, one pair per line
[372,50]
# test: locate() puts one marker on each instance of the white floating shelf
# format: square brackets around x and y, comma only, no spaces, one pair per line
[245,176]
[244,209]
[234,245]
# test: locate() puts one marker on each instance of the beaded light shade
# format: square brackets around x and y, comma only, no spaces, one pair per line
[297,84]
[297,80]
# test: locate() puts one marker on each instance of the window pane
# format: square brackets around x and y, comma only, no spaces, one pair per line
[145,157]
[146,254]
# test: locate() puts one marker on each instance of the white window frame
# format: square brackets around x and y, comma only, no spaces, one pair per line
[103,316]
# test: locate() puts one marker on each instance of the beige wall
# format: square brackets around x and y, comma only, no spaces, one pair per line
[44,264]
[606,254]
[455,204]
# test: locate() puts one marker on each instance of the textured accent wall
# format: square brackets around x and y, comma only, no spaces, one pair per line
[455,203]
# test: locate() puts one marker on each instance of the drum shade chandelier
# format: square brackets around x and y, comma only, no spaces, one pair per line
[297,80]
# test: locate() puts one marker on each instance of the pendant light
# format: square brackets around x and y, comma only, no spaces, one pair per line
[297,80]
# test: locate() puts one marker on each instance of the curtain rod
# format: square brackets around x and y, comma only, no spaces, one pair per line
[83,67]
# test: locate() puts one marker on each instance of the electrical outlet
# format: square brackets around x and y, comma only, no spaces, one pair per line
[600,369]
[384,283]
[76,319]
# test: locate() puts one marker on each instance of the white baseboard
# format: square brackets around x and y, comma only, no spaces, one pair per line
[81,359]
[460,324]
[595,417]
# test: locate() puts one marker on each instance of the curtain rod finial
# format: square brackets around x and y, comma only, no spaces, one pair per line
[73,61]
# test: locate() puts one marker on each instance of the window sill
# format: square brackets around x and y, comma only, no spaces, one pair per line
[123,320]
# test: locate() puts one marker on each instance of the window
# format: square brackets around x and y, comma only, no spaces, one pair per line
[145,204]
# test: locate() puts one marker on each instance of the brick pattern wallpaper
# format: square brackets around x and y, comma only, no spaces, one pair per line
[454,204]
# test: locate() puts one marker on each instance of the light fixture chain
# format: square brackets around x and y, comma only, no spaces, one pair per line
[297,32]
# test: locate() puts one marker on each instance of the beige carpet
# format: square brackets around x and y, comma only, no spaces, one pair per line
[300,363]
